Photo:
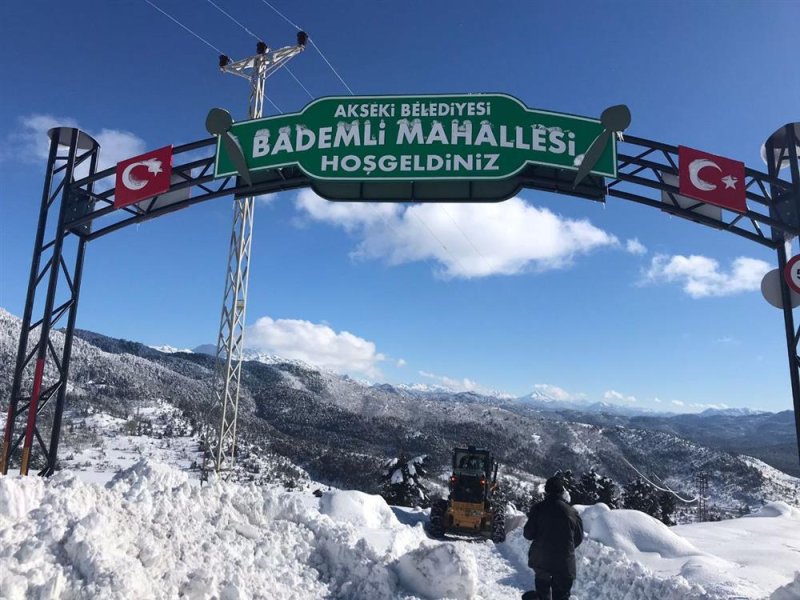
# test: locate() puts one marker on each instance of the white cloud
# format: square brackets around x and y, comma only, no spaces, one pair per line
[30,141]
[634,246]
[117,145]
[465,239]
[457,385]
[315,343]
[706,406]
[349,215]
[265,199]
[401,362]
[701,276]
[558,393]
[678,403]
[657,400]
[616,396]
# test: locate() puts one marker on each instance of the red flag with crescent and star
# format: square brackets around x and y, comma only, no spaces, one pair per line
[143,176]
[712,179]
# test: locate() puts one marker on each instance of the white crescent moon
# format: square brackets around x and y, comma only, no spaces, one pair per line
[694,174]
[129,181]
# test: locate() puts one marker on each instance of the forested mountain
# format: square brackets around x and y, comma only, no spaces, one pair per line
[341,430]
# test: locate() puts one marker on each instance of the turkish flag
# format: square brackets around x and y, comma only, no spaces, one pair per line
[713,179]
[143,176]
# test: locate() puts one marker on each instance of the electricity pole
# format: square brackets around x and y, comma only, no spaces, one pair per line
[230,341]
[701,481]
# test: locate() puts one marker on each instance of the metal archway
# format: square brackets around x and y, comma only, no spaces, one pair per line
[76,211]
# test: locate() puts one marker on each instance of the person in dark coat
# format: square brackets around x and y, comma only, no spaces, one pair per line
[556,529]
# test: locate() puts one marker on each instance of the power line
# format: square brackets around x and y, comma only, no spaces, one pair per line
[240,24]
[446,249]
[311,40]
[227,14]
[310,95]
[199,37]
[275,106]
[280,14]
[344,83]
[466,237]
[335,72]
[659,488]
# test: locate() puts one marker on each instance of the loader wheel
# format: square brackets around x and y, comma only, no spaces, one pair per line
[499,525]
[438,512]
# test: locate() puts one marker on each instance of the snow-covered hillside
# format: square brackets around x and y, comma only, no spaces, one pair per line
[154,533]
[340,430]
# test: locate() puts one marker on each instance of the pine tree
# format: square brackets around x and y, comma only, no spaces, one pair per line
[402,481]
[607,492]
[666,505]
[585,490]
[593,488]
[640,495]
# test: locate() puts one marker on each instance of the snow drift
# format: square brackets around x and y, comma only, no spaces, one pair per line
[154,533]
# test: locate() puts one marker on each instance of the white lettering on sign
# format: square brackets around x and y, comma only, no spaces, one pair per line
[354,111]
[367,133]
[261,143]
[445,109]
[409,162]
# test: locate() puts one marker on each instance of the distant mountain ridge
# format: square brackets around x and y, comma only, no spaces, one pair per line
[536,398]
[341,430]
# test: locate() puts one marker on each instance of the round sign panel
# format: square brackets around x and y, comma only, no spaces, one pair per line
[771,290]
[792,273]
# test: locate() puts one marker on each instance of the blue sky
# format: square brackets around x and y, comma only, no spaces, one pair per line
[564,301]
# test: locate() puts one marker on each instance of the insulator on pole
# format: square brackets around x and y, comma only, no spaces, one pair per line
[302,38]
[223,61]
[261,48]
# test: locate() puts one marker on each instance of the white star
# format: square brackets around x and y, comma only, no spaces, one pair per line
[729,181]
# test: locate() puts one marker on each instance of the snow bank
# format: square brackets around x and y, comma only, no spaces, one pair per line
[633,532]
[775,509]
[150,533]
[358,508]
[761,547]
[743,558]
[439,571]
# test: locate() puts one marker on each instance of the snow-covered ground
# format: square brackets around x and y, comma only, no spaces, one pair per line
[151,532]
[103,444]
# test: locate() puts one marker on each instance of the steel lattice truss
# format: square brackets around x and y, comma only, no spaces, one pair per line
[230,339]
[647,174]
[42,369]
[643,167]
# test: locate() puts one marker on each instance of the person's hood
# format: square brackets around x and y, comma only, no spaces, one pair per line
[563,495]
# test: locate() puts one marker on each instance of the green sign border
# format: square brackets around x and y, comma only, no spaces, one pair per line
[409,179]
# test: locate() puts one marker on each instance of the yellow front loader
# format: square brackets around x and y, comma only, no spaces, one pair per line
[474,506]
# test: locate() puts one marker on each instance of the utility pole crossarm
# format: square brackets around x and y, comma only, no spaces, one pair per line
[271,61]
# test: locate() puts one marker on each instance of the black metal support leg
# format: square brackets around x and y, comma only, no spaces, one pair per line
[40,373]
[781,147]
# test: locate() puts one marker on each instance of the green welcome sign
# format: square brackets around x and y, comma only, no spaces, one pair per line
[411,138]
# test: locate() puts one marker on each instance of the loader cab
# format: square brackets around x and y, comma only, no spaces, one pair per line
[472,471]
